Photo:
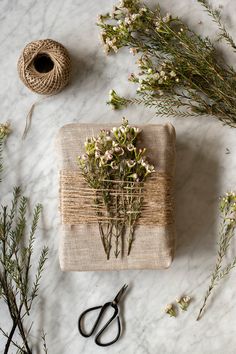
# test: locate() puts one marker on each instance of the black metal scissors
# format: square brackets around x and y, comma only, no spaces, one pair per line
[114,305]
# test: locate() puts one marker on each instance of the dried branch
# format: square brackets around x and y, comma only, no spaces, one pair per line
[227,232]
[16,251]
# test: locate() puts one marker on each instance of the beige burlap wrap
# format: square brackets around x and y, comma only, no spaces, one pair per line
[80,247]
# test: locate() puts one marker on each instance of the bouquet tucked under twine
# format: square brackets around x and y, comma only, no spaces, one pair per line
[115,170]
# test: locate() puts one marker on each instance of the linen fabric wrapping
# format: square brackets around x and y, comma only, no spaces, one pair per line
[80,247]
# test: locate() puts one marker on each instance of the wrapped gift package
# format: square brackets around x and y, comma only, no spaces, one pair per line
[80,247]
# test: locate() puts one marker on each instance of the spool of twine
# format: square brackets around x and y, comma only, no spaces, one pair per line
[44,66]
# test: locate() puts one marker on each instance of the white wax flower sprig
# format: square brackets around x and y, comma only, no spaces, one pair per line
[170,310]
[114,152]
[178,72]
[5,129]
[113,155]
[183,302]
[226,234]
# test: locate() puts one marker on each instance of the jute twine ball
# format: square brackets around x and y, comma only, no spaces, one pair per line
[44,66]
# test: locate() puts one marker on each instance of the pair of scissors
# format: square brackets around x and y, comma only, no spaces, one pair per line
[112,304]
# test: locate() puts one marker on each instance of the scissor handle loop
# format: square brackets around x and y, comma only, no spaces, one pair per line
[100,333]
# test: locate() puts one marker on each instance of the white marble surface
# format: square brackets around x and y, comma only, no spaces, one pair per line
[204,172]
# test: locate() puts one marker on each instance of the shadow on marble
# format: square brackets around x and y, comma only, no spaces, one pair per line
[85,68]
[197,186]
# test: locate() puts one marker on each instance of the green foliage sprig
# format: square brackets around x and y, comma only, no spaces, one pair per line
[180,72]
[227,232]
[115,168]
[17,288]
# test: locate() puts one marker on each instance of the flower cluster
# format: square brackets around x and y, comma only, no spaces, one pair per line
[170,310]
[126,18]
[228,203]
[114,155]
[113,161]
[155,77]
[5,129]
[183,302]
[115,101]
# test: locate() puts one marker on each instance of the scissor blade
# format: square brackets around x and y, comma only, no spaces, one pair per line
[120,293]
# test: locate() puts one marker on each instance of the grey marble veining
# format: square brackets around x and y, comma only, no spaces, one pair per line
[204,172]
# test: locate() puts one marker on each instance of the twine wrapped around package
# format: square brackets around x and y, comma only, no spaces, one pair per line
[80,245]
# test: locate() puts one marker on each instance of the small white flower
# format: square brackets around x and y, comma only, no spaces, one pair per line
[114,165]
[130,163]
[108,156]
[142,162]
[168,307]
[166,18]
[134,16]
[186,299]
[137,130]
[121,152]
[117,148]
[127,128]
[150,168]
[97,154]
[127,21]
[115,48]
[108,138]
[172,74]
[133,51]
[114,144]
[102,161]
[160,81]
[130,147]
[162,73]
[134,176]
